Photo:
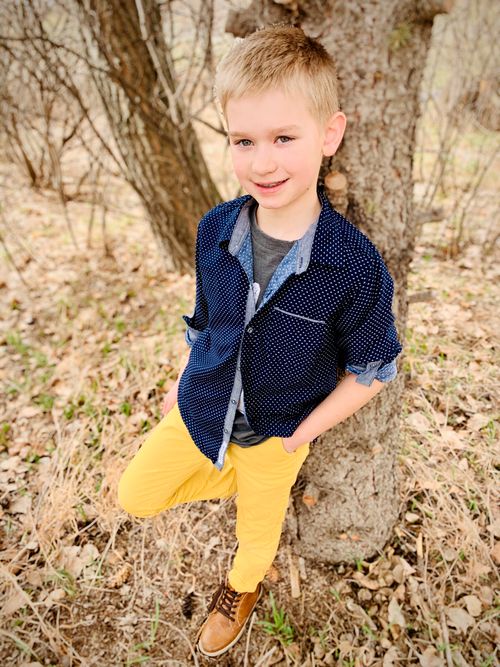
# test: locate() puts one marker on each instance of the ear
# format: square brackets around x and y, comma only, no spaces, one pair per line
[333,133]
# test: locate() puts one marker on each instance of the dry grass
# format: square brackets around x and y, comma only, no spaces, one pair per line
[90,347]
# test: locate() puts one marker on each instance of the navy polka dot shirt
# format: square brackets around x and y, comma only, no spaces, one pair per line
[328,304]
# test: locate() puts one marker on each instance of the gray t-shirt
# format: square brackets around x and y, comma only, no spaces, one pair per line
[267,254]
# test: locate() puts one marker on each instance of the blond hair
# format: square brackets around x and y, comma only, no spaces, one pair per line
[279,56]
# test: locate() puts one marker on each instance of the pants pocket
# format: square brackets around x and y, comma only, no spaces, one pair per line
[302,450]
[282,443]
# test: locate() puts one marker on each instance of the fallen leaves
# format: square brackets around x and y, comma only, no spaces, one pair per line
[366,582]
[21,505]
[459,618]
[473,604]
[418,422]
[395,614]
[13,602]
[478,421]
[49,599]
[431,658]
[75,559]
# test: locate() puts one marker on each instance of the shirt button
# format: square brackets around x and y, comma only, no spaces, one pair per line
[250,329]
[226,431]
[233,401]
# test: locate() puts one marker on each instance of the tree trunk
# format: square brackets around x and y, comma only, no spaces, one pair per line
[150,125]
[350,479]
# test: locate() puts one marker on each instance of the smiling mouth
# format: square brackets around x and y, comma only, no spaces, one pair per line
[271,185]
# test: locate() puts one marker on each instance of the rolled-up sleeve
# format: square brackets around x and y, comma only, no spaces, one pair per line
[199,319]
[367,338]
[374,370]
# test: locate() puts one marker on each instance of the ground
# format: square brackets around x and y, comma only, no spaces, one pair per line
[90,341]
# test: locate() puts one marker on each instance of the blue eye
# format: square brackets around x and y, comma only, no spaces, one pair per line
[240,141]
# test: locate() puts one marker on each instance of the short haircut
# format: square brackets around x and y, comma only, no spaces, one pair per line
[279,56]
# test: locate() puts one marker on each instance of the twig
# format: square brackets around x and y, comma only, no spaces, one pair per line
[93,203]
[247,645]
[107,250]
[183,635]
[11,259]
[262,660]
[446,639]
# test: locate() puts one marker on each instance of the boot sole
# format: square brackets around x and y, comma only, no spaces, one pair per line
[226,648]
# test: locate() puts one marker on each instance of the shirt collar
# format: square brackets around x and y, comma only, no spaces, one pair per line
[321,243]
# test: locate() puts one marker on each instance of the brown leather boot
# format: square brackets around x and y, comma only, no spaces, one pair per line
[228,613]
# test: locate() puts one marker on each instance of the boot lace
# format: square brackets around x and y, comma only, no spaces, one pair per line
[225,600]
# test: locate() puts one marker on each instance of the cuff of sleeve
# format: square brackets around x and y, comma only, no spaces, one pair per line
[387,372]
[191,335]
[374,370]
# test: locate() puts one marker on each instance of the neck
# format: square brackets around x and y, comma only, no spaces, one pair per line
[290,222]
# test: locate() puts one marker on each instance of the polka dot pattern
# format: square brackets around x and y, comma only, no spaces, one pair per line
[335,312]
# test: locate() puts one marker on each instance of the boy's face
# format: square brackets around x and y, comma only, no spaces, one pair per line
[274,138]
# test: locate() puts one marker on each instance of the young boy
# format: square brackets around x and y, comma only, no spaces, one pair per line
[287,290]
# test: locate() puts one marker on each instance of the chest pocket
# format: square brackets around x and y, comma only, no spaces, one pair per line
[294,341]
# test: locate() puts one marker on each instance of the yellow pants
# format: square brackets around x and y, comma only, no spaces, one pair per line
[169,469]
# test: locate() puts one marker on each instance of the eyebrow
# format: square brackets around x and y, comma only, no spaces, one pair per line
[287,128]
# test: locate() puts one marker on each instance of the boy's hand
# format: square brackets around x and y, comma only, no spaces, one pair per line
[288,446]
[170,399]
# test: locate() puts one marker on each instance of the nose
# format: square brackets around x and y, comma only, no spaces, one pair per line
[263,161]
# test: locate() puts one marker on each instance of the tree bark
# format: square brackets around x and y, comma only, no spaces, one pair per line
[350,480]
[150,124]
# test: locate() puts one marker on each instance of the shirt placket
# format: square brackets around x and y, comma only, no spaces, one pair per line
[293,262]
[240,240]
[237,386]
